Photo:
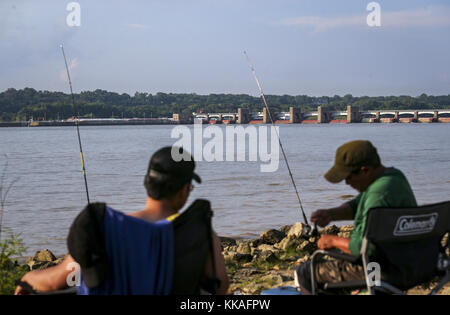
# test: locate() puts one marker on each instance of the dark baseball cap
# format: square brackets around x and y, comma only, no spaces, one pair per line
[172,163]
[350,157]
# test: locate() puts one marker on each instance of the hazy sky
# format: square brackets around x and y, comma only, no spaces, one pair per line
[313,47]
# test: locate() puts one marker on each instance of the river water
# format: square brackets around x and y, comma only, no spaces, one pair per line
[49,191]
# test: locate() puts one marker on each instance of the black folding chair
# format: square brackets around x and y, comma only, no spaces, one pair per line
[192,244]
[409,249]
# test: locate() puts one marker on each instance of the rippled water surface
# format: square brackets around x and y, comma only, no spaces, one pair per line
[49,191]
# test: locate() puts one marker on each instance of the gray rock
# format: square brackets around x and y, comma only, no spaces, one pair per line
[286,275]
[288,243]
[42,259]
[271,236]
[285,229]
[346,228]
[330,230]
[307,247]
[299,230]
[444,240]
[254,288]
[245,273]
[303,259]
[273,279]
[243,248]
[256,243]
[345,231]
[239,257]
[267,256]
[227,241]
[266,247]
[444,243]
[44,255]
[254,251]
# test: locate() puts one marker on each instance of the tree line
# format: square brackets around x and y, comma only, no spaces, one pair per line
[27,103]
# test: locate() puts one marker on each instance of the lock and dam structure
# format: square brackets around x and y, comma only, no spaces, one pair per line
[321,116]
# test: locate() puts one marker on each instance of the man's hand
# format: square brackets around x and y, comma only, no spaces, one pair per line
[333,241]
[23,287]
[321,217]
[43,280]
[326,242]
[21,291]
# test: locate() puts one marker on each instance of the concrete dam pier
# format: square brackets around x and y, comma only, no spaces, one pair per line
[321,116]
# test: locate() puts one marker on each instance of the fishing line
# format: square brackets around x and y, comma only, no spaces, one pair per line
[76,124]
[279,139]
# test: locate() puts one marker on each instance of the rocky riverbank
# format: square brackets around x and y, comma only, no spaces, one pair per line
[270,261]
[258,264]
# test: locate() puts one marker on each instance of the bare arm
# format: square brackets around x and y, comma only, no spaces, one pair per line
[324,216]
[50,279]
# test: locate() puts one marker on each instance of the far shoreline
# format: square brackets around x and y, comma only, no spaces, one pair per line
[166,121]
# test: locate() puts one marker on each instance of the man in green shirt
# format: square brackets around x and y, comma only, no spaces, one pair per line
[357,162]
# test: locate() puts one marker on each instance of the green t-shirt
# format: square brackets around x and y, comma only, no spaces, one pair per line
[391,190]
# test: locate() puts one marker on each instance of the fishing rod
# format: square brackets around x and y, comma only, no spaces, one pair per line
[76,124]
[279,139]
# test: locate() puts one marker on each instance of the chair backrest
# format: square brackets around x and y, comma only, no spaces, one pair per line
[189,247]
[140,255]
[408,241]
[192,232]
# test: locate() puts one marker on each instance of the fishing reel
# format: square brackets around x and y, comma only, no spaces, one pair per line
[313,231]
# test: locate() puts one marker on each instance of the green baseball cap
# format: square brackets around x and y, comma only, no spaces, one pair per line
[350,157]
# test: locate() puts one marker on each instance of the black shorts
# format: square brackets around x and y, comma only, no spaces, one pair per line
[329,271]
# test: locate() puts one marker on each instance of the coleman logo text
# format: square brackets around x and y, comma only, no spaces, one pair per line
[415,224]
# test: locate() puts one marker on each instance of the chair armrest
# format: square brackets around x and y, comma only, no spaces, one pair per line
[29,288]
[69,291]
